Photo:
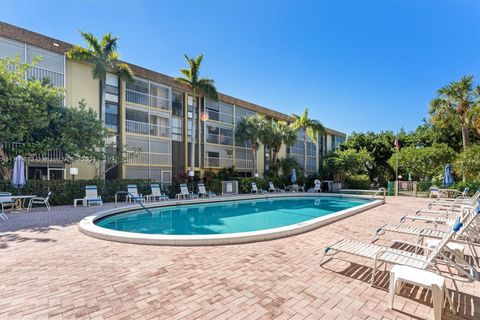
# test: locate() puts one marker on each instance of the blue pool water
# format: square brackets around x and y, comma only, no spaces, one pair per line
[227,217]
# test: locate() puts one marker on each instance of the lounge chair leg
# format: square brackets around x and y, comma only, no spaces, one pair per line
[325,253]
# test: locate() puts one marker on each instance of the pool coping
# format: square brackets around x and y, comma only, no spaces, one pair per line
[88,227]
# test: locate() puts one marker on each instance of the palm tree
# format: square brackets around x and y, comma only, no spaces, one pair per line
[250,129]
[455,104]
[311,128]
[274,135]
[104,57]
[191,78]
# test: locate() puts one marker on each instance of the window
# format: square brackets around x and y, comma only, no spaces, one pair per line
[111,116]
[177,129]
[135,115]
[177,104]
[159,146]
[219,135]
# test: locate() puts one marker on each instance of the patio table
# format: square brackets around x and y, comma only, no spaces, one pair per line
[20,201]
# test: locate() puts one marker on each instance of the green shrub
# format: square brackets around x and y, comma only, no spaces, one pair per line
[472,185]
[360,181]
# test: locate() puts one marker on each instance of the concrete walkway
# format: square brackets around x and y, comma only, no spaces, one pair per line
[49,270]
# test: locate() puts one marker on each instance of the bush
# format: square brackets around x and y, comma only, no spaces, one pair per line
[472,185]
[360,181]
[244,184]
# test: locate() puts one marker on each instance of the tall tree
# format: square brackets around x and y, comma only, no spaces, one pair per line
[191,77]
[250,129]
[455,103]
[33,121]
[311,128]
[274,135]
[104,57]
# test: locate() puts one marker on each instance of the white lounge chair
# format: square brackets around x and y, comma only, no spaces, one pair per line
[256,189]
[41,201]
[133,194]
[185,193]
[318,186]
[272,188]
[92,197]
[455,203]
[157,194]
[202,191]
[387,255]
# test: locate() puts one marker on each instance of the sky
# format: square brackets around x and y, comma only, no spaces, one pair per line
[357,65]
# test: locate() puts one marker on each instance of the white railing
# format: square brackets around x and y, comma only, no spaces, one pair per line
[218,162]
[53,155]
[243,164]
[149,158]
[147,99]
[147,129]
[56,78]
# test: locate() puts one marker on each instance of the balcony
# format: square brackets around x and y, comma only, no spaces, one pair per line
[219,139]
[147,100]
[149,158]
[37,73]
[218,162]
[147,129]
[243,164]
[54,155]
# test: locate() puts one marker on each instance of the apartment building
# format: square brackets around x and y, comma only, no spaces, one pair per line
[152,118]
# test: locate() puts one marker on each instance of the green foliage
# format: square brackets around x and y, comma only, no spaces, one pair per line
[344,163]
[250,129]
[360,181]
[468,163]
[245,184]
[288,164]
[473,186]
[31,113]
[191,77]
[273,135]
[423,163]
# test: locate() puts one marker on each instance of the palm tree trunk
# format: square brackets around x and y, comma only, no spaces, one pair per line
[305,153]
[464,137]
[254,156]
[102,118]
[192,146]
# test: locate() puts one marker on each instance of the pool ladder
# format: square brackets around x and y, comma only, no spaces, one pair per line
[133,197]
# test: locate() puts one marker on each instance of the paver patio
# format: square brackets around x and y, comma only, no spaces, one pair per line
[48,269]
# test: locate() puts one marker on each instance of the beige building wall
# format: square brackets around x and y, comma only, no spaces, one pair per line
[80,85]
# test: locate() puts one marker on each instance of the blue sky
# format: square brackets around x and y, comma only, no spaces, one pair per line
[357,65]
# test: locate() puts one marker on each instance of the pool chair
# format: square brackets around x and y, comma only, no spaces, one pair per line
[433,216]
[92,197]
[202,192]
[455,203]
[431,259]
[434,191]
[184,193]
[272,188]
[6,202]
[318,186]
[469,234]
[157,194]
[255,189]
[133,194]
[41,201]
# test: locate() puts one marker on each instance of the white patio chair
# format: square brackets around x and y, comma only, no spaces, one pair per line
[185,193]
[41,201]
[272,188]
[133,194]
[202,191]
[317,187]
[6,202]
[255,189]
[92,197]
[157,194]
[387,255]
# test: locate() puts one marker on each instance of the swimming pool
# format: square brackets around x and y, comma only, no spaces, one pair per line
[223,220]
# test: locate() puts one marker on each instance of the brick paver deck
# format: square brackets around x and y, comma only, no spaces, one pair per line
[48,269]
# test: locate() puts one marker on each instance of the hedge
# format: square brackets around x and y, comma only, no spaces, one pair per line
[361,181]
[64,191]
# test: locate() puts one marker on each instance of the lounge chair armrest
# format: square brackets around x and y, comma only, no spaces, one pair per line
[386,250]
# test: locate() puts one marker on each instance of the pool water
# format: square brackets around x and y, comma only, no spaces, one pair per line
[227,217]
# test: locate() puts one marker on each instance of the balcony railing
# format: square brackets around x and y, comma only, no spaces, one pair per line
[147,99]
[219,139]
[218,162]
[38,73]
[147,129]
[149,158]
[54,155]
[243,164]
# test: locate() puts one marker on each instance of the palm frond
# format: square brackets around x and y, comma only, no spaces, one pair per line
[109,43]
[92,41]
[183,81]
[207,86]
[80,54]
[124,72]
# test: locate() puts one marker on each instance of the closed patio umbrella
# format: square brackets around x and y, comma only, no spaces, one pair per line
[294,177]
[18,177]
[447,177]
